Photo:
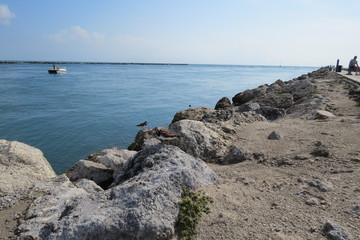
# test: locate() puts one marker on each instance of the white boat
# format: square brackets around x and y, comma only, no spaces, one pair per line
[56,70]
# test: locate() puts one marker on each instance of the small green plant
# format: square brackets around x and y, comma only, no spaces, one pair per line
[192,206]
[357,104]
[346,86]
[329,108]
[315,91]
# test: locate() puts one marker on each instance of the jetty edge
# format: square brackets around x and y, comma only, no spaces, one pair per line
[270,158]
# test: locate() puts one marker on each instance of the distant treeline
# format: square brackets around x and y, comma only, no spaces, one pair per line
[113,63]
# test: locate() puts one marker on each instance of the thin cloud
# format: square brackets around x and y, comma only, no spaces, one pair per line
[75,33]
[5,15]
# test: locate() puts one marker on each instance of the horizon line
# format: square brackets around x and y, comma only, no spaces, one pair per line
[133,63]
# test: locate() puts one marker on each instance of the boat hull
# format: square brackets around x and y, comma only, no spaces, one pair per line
[57,71]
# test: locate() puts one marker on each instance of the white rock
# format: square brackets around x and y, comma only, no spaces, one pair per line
[21,166]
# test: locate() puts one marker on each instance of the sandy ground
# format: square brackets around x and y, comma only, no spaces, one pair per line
[280,197]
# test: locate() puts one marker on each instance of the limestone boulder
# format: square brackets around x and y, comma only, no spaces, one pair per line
[278,95]
[232,116]
[97,172]
[142,202]
[140,138]
[21,166]
[112,158]
[322,115]
[192,114]
[201,141]
[308,106]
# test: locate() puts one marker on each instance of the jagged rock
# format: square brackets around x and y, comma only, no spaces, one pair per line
[276,100]
[140,138]
[88,185]
[141,204]
[96,172]
[221,115]
[278,95]
[275,135]
[192,114]
[21,166]
[112,158]
[275,87]
[299,88]
[322,185]
[9,199]
[151,142]
[223,103]
[312,201]
[320,114]
[354,210]
[302,77]
[271,113]
[306,107]
[249,95]
[320,73]
[236,155]
[200,141]
[283,162]
[248,117]
[246,107]
[152,137]
[229,116]
[354,93]
[333,232]
[321,151]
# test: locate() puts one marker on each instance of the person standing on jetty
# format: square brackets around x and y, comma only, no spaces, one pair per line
[353,66]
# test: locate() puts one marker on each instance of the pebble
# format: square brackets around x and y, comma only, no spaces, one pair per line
[312,201]
[301,157]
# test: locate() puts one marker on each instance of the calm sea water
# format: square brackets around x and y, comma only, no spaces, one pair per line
[93,107]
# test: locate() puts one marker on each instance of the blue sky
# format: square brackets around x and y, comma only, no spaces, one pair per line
[256,32]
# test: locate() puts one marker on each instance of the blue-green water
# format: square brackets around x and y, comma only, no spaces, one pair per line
[91,107]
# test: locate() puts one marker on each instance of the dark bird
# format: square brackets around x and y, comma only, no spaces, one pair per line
[142,125]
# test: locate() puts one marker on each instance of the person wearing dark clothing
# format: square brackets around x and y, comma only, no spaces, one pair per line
[353,66]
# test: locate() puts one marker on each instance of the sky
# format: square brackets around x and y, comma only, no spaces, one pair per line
[236,32]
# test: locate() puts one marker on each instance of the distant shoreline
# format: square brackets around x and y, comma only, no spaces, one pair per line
[111,63]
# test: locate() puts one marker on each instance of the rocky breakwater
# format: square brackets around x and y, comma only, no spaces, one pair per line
[140,201]
[213,134]
[134,193]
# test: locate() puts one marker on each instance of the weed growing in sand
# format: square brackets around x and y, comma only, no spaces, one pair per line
[315,92]
[192,206]
[346,86]
[329,108]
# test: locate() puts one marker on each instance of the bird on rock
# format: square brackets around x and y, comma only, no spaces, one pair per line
[142,125]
